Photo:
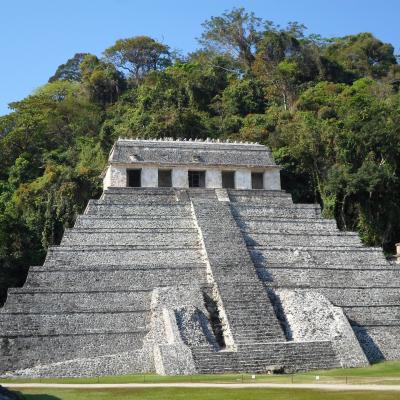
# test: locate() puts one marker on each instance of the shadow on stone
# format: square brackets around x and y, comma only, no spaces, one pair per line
[280,313]
[370,348]
[193,327]
[3,296]
[11,277]
[260,262]
[215,320]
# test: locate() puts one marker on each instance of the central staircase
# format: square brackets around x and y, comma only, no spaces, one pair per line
[258,336]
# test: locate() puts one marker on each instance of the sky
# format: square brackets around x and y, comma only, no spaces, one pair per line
[36,36]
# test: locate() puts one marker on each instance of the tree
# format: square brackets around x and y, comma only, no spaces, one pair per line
[235,33]
[336,136]
[102,81]
[347,138]
[243,97]
[70,71]
[139,55]
[286,62]
[174,102]
[363,55]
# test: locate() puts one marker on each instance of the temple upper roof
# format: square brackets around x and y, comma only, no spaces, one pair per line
[207,152]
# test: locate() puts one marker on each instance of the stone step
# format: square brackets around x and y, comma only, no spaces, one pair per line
[190,230]
[263,364]
[259,350]
[131,222]
[31,302]
[93,237]
[221,364]
[250,193]
[329,278]
[377,315]
[250,287]
[295,211]
[57,348]
[118,256]
[118,279]
[317,256]
[144,191]
[268,224]
[143,200]
[260,207]
[249,307]
[202,194]
[247,337]
[99,207]
[384,296]
[166,195]
[260,357]
[253,326]
[114,247]
[141,197]
[281,201]
[73,323]
[303,239]
[160,267]
[327,266]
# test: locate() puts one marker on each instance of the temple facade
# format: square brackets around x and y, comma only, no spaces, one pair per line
[190,164]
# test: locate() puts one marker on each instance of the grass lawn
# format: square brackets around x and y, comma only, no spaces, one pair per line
[387,372]
[386,368]
[201,394]
[380,373]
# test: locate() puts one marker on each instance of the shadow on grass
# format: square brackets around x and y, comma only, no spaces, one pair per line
[37,397]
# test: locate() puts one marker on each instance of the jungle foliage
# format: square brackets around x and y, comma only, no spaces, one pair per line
[328,108]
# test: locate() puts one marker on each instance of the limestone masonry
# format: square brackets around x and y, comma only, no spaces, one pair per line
[194,261]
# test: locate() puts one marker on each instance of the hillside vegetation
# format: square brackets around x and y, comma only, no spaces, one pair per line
[328,108]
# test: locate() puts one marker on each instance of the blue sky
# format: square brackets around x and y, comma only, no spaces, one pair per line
[38,35]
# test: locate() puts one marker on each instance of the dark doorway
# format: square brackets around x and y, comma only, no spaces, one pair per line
[197,178]
[134,177]
[228,179]
[164,178]
[257,180]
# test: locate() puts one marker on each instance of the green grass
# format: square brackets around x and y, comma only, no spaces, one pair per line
[382,373]
[386,368]
[203,394]
[387,372]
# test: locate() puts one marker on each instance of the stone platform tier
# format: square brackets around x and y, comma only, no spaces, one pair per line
[111,290]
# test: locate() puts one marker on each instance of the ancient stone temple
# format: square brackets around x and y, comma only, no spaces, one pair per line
[194,261]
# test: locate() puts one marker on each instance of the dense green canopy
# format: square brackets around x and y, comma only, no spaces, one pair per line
[329,109]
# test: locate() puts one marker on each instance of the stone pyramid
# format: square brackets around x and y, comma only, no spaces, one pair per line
[183,280]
